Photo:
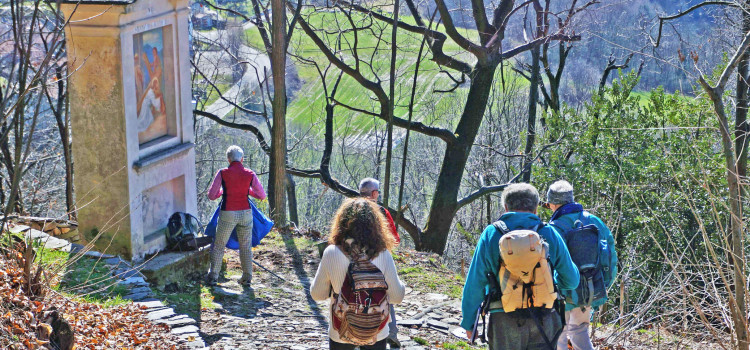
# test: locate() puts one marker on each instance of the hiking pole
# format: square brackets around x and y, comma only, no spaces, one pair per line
[269,271]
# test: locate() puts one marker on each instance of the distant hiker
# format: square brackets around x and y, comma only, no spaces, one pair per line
[524,288]
[234,184]
[370,189]
[359,277]
[592,248]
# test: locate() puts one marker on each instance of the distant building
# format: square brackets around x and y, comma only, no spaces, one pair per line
[208,19]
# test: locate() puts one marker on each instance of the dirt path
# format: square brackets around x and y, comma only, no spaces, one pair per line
[276,314]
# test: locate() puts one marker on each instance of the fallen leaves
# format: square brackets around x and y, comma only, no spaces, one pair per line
[36,317]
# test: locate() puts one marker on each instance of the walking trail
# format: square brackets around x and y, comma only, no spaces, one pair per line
[280,314]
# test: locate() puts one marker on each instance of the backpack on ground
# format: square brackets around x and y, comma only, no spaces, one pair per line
[525,274]
[185,233]
[591,255]
[361,310]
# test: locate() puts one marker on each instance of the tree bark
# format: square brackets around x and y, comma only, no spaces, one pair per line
[277,171]
[291,190]
[737,300]
[531,125]
[391,107]
[742,128]
[62,118]
[445,202]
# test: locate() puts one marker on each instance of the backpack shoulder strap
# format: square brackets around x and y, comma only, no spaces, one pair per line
[584,217]
[501,226]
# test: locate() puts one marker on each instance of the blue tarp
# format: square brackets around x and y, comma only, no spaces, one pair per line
[262,225]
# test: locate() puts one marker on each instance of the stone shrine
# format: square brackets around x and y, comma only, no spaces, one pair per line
[131,120]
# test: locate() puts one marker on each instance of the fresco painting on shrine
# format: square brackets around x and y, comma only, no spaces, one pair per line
[154,84]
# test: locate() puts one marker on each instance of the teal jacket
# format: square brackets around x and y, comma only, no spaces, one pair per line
[487,259]
[564,223]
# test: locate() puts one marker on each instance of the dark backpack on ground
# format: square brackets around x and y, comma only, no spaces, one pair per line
[361,309]
[588,253]
[185,233]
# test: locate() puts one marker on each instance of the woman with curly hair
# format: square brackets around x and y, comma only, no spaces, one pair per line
[359,229]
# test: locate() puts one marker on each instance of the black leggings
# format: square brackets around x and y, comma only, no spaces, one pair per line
[341,346]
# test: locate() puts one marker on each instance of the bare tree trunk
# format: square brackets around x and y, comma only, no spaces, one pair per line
[291,190]
[742,128]
[277,174]
[445,204]
[391,107]
[531,127]
[62,118]
[737,299]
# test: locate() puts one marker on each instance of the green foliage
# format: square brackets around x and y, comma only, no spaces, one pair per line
[470,237]
[637,161]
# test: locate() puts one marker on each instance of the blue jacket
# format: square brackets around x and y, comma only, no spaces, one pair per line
[487,259]
[563,220]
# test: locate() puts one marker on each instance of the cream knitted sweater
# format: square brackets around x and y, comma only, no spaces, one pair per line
[332,272]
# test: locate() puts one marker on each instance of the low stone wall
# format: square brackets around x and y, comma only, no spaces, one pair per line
[58,228]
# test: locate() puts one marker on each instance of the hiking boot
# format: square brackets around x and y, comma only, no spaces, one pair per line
[210,280]
[393,341]
[245,280]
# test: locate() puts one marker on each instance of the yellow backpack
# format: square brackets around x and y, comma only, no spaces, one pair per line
[525,276]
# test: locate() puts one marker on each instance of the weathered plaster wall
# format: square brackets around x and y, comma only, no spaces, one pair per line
[98,131]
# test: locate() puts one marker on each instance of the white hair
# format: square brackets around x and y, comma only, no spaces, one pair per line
[234,153]
[367,185]
[520,196]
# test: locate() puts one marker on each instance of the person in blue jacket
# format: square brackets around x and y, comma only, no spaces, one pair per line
[515,330]
[566,212]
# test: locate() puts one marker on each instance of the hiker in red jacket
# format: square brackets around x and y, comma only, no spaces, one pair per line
[370,188]
[234,184]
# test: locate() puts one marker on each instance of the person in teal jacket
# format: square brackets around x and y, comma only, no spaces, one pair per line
[516,330]
[566,213]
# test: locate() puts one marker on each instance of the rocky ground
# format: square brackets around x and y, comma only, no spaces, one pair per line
[278,313]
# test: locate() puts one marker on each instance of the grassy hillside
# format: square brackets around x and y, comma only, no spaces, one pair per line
[307,107]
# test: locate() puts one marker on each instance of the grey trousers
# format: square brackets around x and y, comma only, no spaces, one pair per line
[228,221]
[518,331]
[577,330]
[392,329]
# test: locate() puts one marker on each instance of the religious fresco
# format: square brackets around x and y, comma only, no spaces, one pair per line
[154,84]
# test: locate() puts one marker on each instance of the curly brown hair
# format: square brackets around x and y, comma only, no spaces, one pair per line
[361,220]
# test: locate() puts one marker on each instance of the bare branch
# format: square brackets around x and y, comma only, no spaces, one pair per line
[247,127]
[435,39]
[450,28]
[536,42]
[663,19]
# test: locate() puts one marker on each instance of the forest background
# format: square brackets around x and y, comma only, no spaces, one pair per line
[642,105]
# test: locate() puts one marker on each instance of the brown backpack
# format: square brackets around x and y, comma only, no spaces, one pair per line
[361,309]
